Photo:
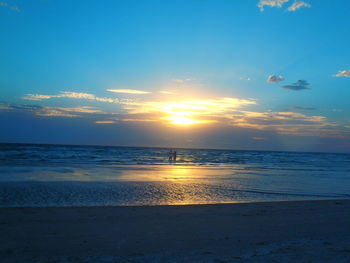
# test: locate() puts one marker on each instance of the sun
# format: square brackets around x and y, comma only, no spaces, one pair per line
[182,120]
[183,113]
[186,113]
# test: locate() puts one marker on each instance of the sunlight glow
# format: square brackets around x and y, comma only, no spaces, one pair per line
[186,112]
[183,113]
[182,120]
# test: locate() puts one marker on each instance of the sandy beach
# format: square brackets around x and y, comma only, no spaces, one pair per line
[293,231]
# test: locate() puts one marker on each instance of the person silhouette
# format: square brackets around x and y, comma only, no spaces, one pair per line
[171,154]
[174,155]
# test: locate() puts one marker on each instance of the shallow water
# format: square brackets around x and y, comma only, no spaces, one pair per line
[56,175]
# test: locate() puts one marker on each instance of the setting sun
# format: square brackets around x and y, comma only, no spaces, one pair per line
[182,120]
[183,113]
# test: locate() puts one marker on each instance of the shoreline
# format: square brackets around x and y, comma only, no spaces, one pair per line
[314,230]
[180,204]
[154,193]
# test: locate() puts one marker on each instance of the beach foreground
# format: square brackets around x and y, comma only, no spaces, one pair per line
[293,231]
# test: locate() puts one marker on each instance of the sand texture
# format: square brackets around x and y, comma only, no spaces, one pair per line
[299,231]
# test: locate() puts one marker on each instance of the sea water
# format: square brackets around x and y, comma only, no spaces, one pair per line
[66,175]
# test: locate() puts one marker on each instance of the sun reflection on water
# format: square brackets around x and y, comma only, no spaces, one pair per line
[172,173]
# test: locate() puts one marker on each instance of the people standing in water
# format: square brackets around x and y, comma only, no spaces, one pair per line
[172,155]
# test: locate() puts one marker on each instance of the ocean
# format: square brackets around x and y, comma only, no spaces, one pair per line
[67,175]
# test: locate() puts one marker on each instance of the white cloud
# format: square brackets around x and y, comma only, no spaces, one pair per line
[128,91]
[275,79]
[279,3]
[343,73]
[298,4]
[72,95]
[245,78]
[271,3]
[8,6]
[76,95]
[37,97]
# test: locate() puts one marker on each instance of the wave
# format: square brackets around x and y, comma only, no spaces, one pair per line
[23,154]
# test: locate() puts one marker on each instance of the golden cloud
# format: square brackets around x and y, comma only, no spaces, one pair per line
[104,122]
[291,123]
[65,112]
[187,111]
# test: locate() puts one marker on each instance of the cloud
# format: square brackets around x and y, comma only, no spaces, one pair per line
[4,107]
[245,78]
[66,111]
[298,4]
[128,91]
[343,73]
[37,97]
[224,112]
[299,85]
[104,122]
[275,79]
[19,107]
[259,138]
[182,80]
[8,6]
[47,112]
[304,108]
[228,111]
[191,107]
[52,111]
[182,111]
[291,123]
[128,119]
[73,95]
[337,110]
[279,3]
[83,109]
[87,96]
[63,94]
[271,3]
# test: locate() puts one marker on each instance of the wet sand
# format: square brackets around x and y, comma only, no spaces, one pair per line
[293,231]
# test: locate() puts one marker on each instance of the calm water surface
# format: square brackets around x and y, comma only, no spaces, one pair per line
[57,175]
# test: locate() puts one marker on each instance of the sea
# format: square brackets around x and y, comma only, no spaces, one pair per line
[72,175]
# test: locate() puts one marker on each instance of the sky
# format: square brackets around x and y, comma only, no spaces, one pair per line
[227,74]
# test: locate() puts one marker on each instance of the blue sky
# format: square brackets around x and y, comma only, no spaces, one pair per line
[242,74]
